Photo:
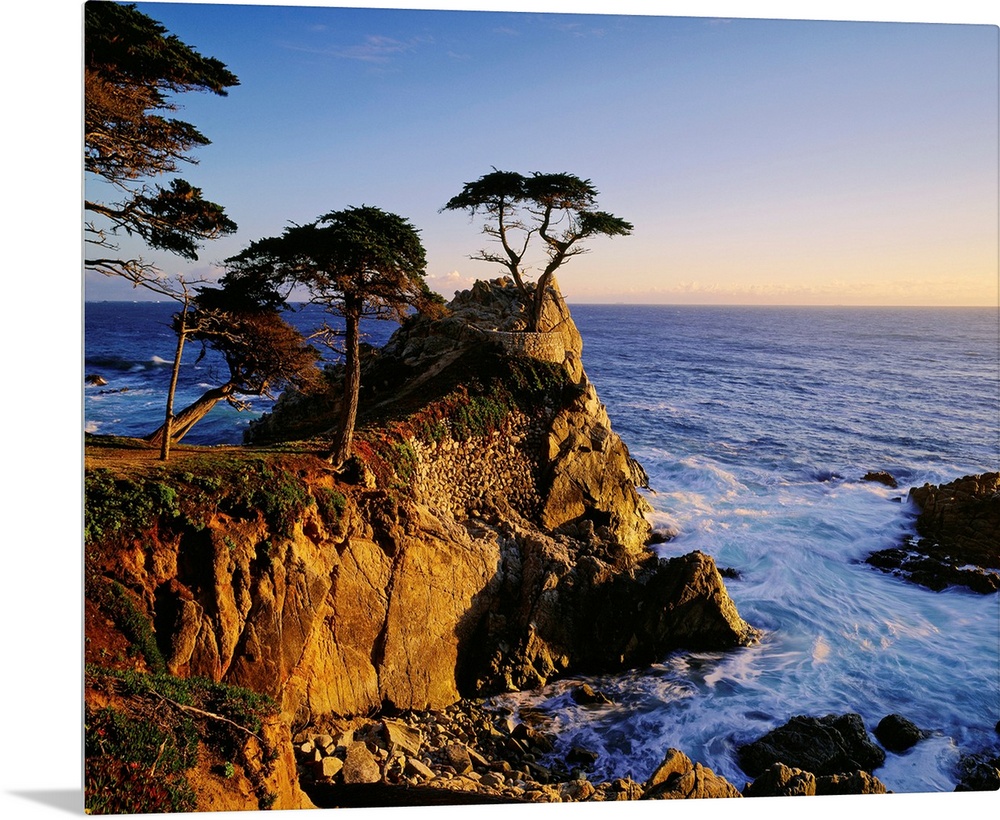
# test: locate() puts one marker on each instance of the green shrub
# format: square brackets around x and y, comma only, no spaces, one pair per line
[119,605]
[137,756]
[134,766]
[331,505]
[123,507]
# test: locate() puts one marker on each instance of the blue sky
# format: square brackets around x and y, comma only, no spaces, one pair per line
[761,161]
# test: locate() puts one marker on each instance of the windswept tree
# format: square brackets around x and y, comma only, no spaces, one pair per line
[263,354]
[356,263]
[132,70]
[557,208]
[241,320]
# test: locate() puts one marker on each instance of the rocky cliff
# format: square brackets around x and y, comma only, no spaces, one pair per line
[487,536]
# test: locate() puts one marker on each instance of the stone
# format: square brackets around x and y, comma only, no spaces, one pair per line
[416,768]
[580,756]
[678,778]
[456,755]
[780,780]
[881,477]
[822,746]
[585,695]
[401,737]
[957,542]
[576,790]
[979,772]
[897,734]
[330,766]
[858,782]
[493,780]
[360,765]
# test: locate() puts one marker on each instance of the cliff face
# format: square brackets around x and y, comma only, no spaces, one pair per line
[488,536]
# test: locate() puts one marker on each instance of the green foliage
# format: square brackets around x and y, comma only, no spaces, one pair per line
[120,606]
[275,493]
[133,71]
[137,756]
[331,505]
[134,766]
[557,209]
[404,461]
[117,507]
[481,415]
[123,507]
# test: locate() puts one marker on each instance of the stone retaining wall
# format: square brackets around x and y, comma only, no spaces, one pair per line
[455,476]
[547,347]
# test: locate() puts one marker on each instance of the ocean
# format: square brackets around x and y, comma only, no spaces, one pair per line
[755,425]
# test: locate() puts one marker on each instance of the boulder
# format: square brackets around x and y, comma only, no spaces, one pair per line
[779,780]
[585,695]
[360,765]
[678,778]
[881,477]
[979,772]
[897,733]
[849,783]
[823,746]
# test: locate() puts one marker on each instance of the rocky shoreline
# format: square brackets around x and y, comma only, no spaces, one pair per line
[472,752]
[958,537]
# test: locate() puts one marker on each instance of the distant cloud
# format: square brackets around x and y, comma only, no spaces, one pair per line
[447,284]
[923,291]
[578,30]
[375,48]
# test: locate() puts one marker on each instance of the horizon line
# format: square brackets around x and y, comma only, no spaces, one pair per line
[652,304]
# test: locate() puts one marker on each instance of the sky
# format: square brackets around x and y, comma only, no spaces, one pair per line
[761,161]
[783,163]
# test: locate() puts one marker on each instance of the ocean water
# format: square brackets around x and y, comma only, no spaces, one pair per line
[755,426]
[131,346]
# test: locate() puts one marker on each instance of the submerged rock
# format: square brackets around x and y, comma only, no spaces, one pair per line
[881,477]
[979,772]
[823,746]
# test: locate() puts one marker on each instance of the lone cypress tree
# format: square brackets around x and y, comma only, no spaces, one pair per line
[558,208]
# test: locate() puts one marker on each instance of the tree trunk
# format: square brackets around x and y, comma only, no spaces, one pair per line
[352,385]
[181,424]
[164,440]
[538,301]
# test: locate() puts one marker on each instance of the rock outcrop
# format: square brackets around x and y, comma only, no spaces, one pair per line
[677,777]
[822,746]
[487,536]
[779,780]
[958,542]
